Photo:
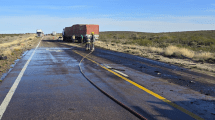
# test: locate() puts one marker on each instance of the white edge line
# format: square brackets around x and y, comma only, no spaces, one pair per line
[14,86]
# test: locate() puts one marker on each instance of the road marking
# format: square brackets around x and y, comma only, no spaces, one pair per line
[52,57]
[9,95]
[116,71]
[121,73]
[148,91]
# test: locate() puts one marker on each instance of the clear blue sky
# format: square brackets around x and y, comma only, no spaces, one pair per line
[25,16]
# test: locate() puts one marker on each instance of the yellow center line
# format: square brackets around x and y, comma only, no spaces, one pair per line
[148,91]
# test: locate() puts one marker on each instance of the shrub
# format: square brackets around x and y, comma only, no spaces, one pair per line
[144,42]
[155,49]
[175,51]
[204,55]
[7,52]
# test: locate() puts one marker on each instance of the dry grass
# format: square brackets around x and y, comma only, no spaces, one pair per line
[156,49]
[7,52]
[204,55]
[173,50]
[169,51]
[16,41]
[13,47]
[186,52]
[160,53]
[17,48]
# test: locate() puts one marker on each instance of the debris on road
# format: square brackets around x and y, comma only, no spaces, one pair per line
[191,82]
[157,72]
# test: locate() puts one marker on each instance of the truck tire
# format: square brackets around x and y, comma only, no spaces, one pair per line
[84,40]
[78,39]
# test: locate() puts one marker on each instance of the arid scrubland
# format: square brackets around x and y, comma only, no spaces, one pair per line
[12,46]
[194,49]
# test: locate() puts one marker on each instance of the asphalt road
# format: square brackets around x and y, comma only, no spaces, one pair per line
[52,87]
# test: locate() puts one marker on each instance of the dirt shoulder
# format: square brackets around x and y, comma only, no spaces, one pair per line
[205,68]
[11,48]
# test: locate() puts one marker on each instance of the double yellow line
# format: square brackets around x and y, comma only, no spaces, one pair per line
[148,91]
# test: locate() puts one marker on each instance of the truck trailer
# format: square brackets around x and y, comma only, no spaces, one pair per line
[54,33]
[76,32]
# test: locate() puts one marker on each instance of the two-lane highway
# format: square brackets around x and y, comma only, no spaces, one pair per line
[52,87]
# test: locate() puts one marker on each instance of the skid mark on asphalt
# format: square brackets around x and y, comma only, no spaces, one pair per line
[147,90]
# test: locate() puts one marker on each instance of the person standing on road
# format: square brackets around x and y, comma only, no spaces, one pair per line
[88,43]
[92,41]
[73,38]
[82,39]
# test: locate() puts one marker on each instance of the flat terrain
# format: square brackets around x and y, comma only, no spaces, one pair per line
[52,86]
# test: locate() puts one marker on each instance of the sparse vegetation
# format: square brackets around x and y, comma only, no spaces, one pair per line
[180,48]
[198,45]
[10,35]
[14,46]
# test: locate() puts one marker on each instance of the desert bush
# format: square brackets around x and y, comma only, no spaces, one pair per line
[144,42]
[192,43]
[143,37]
[192,40]
[204,55]
[11,35]
[176,51]
[155,49]
[17,48]
[116,41]
[134,36]
[7,52]
[169,50]
[186,52]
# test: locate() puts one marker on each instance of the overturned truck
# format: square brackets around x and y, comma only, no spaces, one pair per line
[76,32]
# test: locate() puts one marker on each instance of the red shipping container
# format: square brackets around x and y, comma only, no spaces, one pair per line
[81,29]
